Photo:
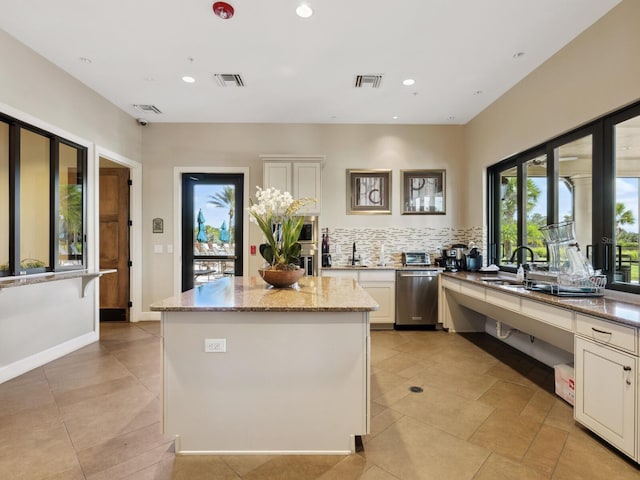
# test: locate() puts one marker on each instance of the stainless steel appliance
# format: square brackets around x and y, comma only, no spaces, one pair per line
[453,257]
[308,263]
[416,298]
[416,292]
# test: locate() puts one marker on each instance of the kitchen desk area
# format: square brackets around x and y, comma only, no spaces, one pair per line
[248,368]
[601,332]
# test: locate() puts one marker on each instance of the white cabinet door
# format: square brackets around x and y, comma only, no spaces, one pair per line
[277,175]
[606,393]
[307,184]
[384,293]
[302,177]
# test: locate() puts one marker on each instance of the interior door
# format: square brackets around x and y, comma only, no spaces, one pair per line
[114,244]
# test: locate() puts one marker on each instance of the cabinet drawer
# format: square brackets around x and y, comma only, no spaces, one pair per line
[450,284]
[377,275]
[341,273]
[558,317]
[471,290]
[504,300]
[609,333]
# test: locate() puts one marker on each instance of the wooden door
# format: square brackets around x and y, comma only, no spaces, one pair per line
[114,243]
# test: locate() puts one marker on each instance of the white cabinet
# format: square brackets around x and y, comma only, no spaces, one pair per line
[606,393]
[381,285]
[301,176]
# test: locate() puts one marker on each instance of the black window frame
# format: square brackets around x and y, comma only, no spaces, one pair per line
[603,191]
[15,128]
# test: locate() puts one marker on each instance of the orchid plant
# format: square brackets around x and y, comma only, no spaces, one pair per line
[275,213]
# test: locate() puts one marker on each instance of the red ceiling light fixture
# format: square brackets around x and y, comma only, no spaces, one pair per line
[223,10]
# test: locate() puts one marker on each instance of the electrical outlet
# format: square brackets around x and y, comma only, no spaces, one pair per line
[215,345]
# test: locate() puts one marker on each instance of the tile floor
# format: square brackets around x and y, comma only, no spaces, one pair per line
[486,412]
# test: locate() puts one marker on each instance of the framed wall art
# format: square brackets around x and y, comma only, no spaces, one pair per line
[423,192]
[369,191]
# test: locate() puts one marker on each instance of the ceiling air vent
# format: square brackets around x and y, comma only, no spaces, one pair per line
[229,79]
[372,81]
[147,108]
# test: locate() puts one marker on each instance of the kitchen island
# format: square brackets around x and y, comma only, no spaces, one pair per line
[288,371]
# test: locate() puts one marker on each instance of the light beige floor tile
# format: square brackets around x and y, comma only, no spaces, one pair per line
[498,467]
[506,433]
[34,375]
[85,373]
[24,395]
[90,422]
[561,416]
[76,395]
[159,457]
[379,354]
[544,452]
[387,339]
[34,444]
[296,467]
[74,473]
[585,458]
[153,383]
[410,449]
[508,396]
[452,413]
[463,383]
[398,363]
[122,448]
[376,473]
[383,381]
[381,422]
[509,374]
[539,406]
[153,327]
[392,395]
[351,468]
[243,464]
[376,408]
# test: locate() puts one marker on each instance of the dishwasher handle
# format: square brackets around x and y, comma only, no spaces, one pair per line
[418,274]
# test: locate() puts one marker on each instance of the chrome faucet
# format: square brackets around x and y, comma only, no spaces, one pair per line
[518,248]
[353,254]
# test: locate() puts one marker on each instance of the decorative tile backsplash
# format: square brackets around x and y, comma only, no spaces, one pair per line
[397,240]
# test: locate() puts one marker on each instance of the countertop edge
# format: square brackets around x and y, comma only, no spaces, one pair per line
[570,303]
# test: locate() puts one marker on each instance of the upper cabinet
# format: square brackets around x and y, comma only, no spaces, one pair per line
[299,175]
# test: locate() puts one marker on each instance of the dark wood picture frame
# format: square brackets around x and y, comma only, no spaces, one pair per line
[423,192]
[369,191]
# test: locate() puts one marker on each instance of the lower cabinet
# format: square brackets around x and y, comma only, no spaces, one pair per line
[381,285]
[605,380]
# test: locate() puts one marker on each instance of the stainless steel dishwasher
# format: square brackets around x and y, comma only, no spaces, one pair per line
[416,298]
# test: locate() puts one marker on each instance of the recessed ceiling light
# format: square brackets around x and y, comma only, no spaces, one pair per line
[149,79]
[408,82]
[478,92]
[395,117]
[188,79]
[451,117]
[304,11]
[518,54]
[85,60]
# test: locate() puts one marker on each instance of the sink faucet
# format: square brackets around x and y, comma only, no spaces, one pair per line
[353,254]
[518,248]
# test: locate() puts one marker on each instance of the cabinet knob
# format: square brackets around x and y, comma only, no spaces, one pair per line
[628,382]
[627,368]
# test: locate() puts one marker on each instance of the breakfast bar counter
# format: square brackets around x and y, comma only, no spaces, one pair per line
[248,368]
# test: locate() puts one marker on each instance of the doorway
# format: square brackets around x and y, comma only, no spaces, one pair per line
[114,208]
[212,227]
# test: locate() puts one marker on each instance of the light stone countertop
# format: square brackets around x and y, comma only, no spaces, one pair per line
[252,294]
[619,307]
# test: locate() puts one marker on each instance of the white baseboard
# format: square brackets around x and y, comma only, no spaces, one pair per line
[39,359]
[150,316]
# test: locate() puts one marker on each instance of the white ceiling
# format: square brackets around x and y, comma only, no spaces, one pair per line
[460,52]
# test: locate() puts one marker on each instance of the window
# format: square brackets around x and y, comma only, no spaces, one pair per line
[42,200]
[590,176]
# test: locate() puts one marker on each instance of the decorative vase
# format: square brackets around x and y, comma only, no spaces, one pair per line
[281,278]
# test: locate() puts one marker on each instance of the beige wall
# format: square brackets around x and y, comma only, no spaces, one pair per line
[345,146]
[33,85]
[596,73]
